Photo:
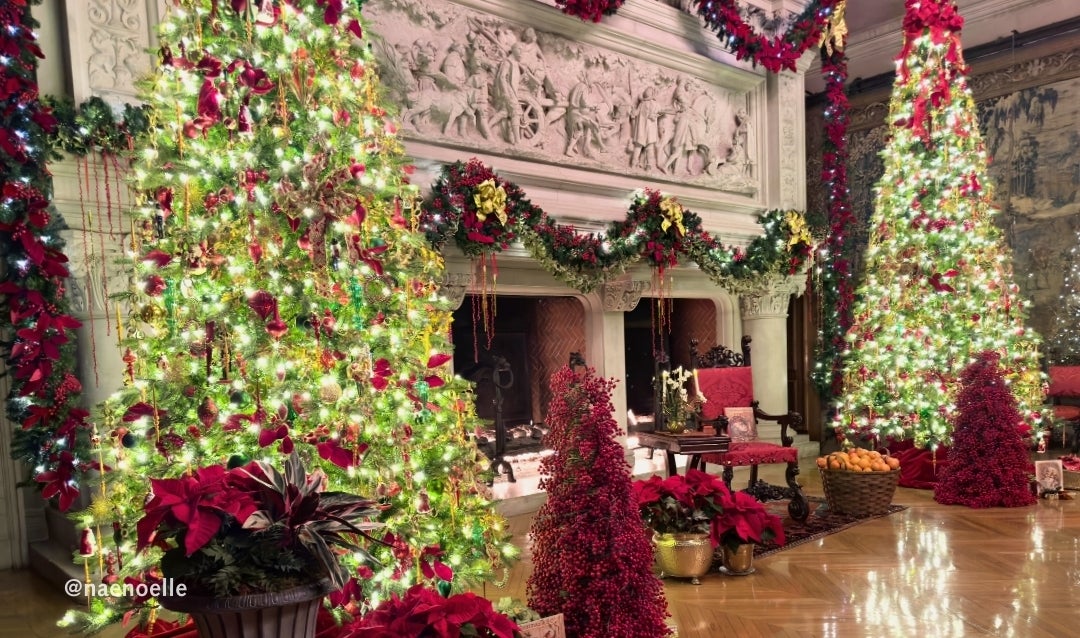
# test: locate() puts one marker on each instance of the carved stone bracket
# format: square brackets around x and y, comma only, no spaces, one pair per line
[771,300]
[454,287]
[622,296]
[94,276]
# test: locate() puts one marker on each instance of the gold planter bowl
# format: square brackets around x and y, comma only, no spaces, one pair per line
[683,555]
[739,561]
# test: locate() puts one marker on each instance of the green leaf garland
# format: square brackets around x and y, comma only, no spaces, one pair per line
[657,228]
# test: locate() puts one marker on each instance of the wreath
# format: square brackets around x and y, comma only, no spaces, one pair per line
[475,207]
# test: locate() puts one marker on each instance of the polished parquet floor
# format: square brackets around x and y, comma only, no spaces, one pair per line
[931,570]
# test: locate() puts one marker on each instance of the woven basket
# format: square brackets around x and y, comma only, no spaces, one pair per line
[859,494]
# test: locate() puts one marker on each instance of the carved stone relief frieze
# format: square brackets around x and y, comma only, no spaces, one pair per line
[109,41]
[622,296]
[463,77]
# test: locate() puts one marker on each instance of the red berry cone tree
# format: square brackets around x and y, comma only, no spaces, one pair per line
[988,464]
[591,552]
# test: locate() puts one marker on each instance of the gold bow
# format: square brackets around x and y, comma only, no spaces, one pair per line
[798,231]
[490,199]
[673,214]
[835,30]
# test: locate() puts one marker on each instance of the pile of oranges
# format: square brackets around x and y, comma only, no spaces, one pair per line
[858,460]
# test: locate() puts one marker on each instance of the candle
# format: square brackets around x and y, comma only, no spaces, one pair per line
[119,327]
[697,388]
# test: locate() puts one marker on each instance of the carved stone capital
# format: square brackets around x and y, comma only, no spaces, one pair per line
[454,287]
[622,296]
[771,299]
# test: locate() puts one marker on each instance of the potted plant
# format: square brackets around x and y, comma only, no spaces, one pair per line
[743,523]
[682,511]
[252,544]
[676,404]
[425,613]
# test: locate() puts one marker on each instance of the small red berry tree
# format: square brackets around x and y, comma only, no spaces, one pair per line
[592,559]
[988,464]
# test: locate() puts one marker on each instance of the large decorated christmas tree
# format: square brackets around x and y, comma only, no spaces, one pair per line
[939,287]
[282,298]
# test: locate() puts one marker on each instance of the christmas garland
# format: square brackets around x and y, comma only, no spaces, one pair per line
[44,395]
[778,52]
[483,213]
[837,286]
[92,127]
[592,10]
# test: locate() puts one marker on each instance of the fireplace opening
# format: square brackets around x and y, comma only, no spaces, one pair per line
[531,338]
[645,339]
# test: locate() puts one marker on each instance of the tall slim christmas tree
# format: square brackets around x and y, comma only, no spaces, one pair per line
[939,287]
[1065,338]
[282,296]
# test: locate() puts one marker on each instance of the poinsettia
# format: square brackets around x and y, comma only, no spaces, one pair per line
[254,528]
[196,502]
[425,612]
[745,520]
[680,504]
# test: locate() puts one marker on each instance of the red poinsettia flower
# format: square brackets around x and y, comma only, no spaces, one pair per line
[425,612]
[195,503]
[745,520]
[60,481]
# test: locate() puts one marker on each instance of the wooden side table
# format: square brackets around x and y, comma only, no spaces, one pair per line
[687,443]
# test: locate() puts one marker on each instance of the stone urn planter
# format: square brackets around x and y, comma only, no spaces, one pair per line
[683,555]
[285,614]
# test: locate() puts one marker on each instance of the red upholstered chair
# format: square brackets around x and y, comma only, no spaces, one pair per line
[1064,398]
[725,379]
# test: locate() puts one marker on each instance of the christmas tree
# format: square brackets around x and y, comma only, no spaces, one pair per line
[283,299]
[988,465]
[592,559]
[1065,340]
[939,287]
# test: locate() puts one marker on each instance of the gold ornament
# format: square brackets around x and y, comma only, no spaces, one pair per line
[835,31]
[490,199]
[330,391]
[151,313]
[673,215]
[799,232]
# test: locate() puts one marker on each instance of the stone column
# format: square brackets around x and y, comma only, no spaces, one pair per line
[764,317]
[94,241]
[785,118]
[605,335]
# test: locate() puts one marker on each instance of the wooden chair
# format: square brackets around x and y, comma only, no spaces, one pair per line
[1064,398]
[725,380]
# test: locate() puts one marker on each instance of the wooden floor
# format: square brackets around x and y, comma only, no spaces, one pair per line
[929,571]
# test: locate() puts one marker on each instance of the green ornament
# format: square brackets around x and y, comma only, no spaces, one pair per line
[444,588]
[237,460]
[422,388]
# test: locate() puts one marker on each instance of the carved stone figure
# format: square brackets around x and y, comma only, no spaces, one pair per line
[646,131]
[505,96]
[690,134]
[582,121]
